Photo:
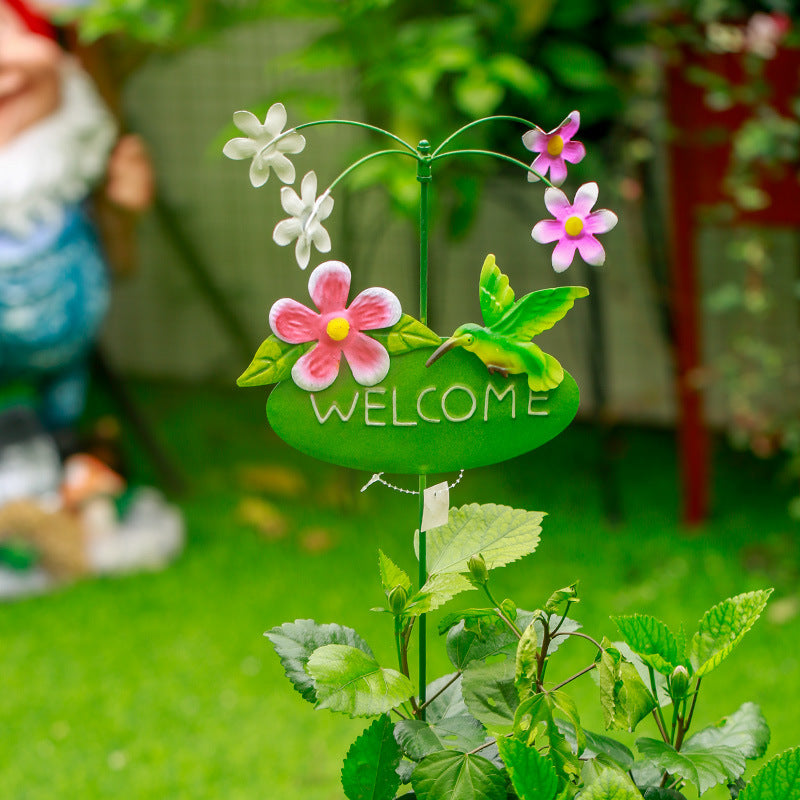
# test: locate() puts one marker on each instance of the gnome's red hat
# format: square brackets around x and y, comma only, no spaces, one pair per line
[33,20]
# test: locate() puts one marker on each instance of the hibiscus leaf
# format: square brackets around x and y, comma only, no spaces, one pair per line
[651,639]
[369,771]
[745,730]
[294,643]
[723,627]
[625,699]
[436,591]
[704,768]
[349,680]
[405,335]
[778,779]
[391,574]
[498,533]
[611,785]
[447,775]
[490,694]
[272,362]
[532,775]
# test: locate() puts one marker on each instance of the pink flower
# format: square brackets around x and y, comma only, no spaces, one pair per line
[555,149]
[574,226]
[336,329]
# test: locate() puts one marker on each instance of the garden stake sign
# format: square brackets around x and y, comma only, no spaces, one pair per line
[410,402]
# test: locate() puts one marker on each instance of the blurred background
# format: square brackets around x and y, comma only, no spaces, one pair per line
[677,487]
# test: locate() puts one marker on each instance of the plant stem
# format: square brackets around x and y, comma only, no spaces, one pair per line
[493,154]
[399,641]
[485,745]
[511,624]
[662,725]
[580,636]
[442,690]
[572,678]
[684,724]
[354,124]
[472,124]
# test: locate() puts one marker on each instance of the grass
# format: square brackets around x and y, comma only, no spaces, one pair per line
[162,686]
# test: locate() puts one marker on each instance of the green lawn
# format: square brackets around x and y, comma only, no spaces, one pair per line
[162,686]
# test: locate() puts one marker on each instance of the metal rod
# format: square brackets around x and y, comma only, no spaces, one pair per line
[424,177]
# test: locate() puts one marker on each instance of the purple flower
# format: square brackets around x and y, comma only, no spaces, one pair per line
[574,226]
[555,149]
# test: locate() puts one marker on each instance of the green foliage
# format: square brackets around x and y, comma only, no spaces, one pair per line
[476,636]
[294,642]
[527,664]
[723,627]
[532,775]
[611,785]
[447,775]
[625,699]
[175,24]
[349,680]
[490,694]
[778,779]
[272,362]
[391,574]
[745,731]
[702,767]
[652,640]
[499,533]
[502,700]
[369,771]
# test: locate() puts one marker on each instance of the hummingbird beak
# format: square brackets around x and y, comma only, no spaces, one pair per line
[452,342]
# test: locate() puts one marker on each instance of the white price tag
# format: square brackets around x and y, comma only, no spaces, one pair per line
[435,506]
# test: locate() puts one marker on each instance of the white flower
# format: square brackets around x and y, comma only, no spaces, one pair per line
[307,212]
[265,144]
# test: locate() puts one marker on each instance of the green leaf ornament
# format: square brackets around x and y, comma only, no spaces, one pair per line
[369,771]
[346,679]
[405,335]
[272,362]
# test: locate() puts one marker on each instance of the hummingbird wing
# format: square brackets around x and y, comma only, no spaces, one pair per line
[496,296]
[537,311]
[544,371]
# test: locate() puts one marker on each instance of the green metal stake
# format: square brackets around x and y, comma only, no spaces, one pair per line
[424,177]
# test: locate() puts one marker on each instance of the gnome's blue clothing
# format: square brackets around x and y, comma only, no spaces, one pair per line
[53,297]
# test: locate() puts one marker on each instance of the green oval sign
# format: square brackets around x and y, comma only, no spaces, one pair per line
[422,420]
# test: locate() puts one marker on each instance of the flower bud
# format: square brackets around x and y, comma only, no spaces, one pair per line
[679,682]
[477,568]
[398,597]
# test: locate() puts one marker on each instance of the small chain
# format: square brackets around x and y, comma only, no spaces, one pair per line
[376,478]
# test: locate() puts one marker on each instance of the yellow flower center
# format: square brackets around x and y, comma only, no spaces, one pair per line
[573,226]
[555,144]
[338,328]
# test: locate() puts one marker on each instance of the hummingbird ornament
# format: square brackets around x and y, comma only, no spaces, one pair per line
[504,342]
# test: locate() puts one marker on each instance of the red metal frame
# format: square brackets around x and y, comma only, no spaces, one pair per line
[698,165]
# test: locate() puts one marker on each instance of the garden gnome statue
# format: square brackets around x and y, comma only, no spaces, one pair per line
[58,143]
